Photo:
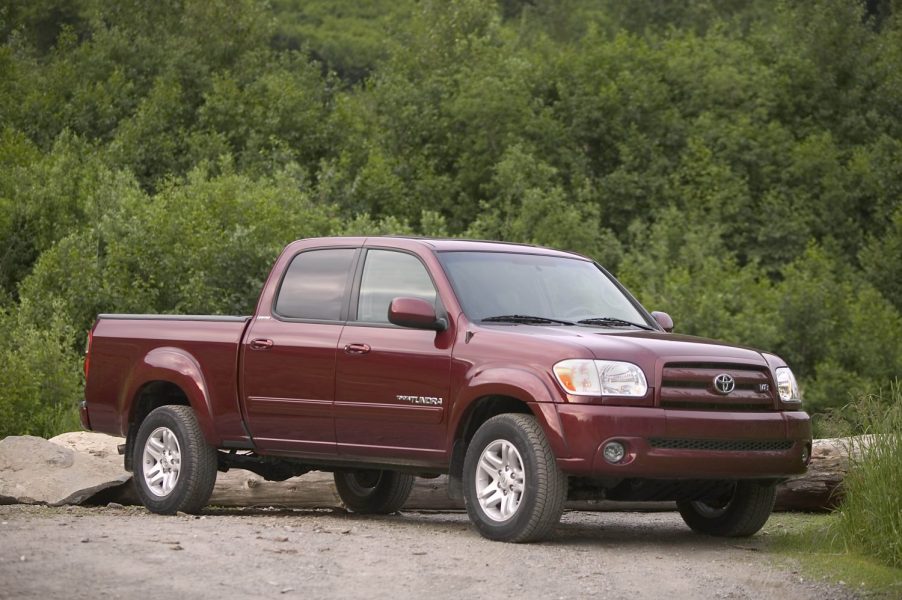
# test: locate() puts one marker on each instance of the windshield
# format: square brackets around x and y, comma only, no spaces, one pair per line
[558,289]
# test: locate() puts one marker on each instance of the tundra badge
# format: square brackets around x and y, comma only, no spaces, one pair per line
[427,400]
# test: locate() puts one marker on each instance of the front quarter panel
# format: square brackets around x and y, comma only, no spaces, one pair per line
[518,383]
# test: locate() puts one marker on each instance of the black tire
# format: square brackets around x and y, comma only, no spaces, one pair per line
[372,491]
[536,490]
[195,469]
[739,514]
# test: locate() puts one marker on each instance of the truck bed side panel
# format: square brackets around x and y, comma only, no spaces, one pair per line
[129,352]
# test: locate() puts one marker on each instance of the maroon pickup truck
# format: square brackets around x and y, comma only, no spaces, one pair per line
[526,374]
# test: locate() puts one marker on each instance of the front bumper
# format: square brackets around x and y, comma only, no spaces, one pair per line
[664,443]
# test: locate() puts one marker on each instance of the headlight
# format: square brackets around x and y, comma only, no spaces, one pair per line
[582,377]
[787,386]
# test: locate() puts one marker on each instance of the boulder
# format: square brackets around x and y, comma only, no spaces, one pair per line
[99,445]
[106,448]
[36,471]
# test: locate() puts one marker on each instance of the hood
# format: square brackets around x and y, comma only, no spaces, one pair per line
[639,346]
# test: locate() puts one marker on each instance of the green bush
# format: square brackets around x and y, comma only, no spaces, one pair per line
[737,164]
[870,517]
[41,380]
[200,245]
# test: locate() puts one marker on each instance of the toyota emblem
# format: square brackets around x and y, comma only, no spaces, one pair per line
[724,383]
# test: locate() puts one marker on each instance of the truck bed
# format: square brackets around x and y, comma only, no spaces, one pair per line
[126,349]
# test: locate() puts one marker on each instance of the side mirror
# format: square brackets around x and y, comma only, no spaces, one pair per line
[415,313]
[663,320]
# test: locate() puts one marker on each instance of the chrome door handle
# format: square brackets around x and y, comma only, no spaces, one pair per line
[357,348]
[261,344]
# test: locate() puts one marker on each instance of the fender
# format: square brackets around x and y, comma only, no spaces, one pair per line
[514,382]
[176,366]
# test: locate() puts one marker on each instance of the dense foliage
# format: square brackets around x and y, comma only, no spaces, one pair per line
[737,164]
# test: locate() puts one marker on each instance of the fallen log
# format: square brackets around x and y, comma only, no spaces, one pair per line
[820,489]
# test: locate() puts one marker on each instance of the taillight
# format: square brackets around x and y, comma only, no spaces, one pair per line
[88,353]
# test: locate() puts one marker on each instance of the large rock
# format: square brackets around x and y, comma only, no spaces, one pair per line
[99,445]
[103,447]
[36,471]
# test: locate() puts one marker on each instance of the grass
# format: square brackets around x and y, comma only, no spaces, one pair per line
[861,543]
[870,517]
[814,543]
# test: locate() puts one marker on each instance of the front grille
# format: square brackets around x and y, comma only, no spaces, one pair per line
[722,445]
[690,386]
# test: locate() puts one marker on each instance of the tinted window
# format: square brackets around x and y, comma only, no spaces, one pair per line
[314,285]
[388,275]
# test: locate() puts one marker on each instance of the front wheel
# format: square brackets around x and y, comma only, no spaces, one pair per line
[372,491]
[175,468]
[513,488]
[739,513]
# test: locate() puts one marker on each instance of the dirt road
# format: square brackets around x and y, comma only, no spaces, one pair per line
[77,552]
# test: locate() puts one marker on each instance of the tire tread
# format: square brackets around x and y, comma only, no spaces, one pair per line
[749,510]
[199,462]
[387,497]
[548,490]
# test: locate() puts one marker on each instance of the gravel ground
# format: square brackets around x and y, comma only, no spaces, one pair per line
[126,552]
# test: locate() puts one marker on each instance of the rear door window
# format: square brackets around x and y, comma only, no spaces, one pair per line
[315,285]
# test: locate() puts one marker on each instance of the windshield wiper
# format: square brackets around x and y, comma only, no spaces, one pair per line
[613,321]
[525,319]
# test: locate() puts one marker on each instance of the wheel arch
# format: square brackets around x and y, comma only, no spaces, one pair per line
[506,389]
[498,391]
[166,376]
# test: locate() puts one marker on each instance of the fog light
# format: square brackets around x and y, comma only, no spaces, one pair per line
[806,454]
[614,452]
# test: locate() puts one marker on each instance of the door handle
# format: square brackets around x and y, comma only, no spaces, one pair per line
[261,344]
[357,348]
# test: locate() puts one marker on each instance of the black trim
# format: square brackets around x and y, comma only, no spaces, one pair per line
[156,317]
[722,445]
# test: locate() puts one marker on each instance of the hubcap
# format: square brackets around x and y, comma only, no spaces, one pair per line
[162,461]
[500,480]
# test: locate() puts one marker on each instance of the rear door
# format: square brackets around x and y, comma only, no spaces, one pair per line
[289,354]
[392,383]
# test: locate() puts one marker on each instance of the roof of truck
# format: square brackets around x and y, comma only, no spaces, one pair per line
[459,245]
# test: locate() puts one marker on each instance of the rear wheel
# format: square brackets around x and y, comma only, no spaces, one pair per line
[174,467]
[373,491]
[739,513]
[513,488]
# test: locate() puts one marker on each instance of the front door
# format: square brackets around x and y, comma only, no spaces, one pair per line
[392,383]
